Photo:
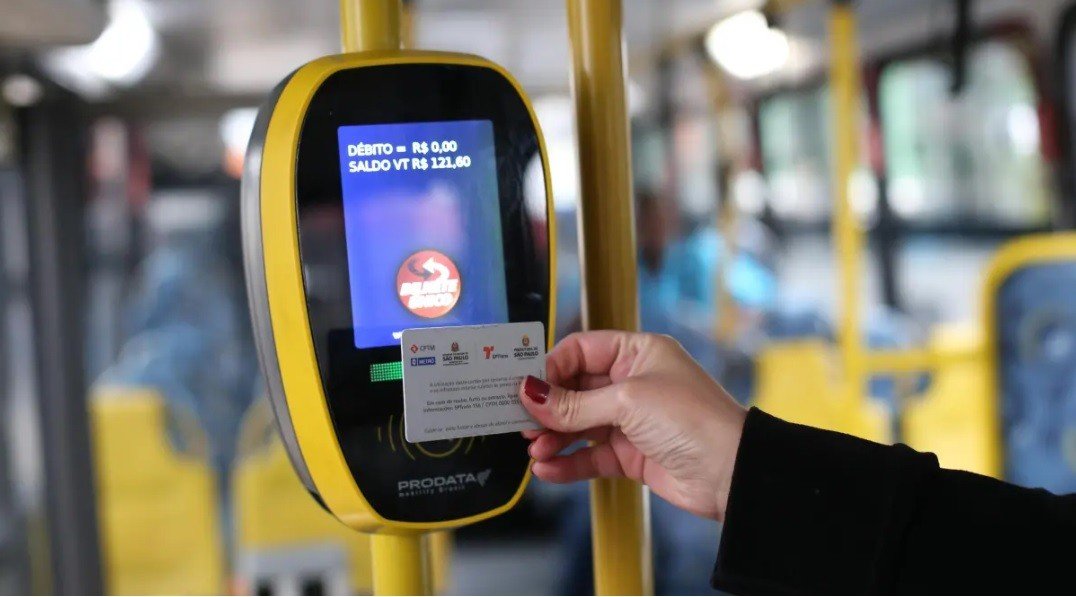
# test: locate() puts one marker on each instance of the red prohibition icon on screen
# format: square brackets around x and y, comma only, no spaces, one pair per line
[428,284]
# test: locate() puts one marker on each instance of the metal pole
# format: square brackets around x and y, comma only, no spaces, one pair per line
[15,570]
[367,25]
[619,514]
[407,25]
[847,233]
[53,140]
[400,562]
[400,565]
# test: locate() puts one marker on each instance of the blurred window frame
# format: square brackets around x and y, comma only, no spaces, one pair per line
[1015,34]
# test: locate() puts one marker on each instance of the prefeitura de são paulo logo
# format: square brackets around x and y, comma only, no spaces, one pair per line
[428,284]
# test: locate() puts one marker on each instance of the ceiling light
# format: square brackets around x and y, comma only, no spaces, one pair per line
[122,55]
[746,46]
[21,90]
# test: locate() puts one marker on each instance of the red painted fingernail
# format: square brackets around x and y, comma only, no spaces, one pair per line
[536,389]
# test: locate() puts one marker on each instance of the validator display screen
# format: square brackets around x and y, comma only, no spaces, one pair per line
[423,227]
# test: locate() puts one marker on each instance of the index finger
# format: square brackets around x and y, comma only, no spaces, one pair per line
[588,354]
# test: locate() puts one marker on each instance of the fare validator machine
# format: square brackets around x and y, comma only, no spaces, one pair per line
[385,191]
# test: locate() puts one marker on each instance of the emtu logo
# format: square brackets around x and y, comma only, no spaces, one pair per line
[428,284]
[488,350]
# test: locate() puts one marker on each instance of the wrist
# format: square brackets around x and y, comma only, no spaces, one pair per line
[733,435]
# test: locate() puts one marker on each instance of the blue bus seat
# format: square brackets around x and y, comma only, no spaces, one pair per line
[1031,317]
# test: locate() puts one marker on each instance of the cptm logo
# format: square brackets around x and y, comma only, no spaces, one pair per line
[428,284]
[442,483]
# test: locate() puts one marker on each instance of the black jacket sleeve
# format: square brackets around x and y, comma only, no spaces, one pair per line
[814,511]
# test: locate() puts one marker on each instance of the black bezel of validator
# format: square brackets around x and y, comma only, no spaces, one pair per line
[364,413]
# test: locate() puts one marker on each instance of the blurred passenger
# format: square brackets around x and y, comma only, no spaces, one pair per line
[187,332]
[190,281]
[660,292]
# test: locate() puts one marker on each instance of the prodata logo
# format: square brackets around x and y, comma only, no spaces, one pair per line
[442,483]
[428,284]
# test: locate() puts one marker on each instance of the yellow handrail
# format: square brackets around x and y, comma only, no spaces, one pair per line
[370,25]
[847,234]
[400,562]
[620,520]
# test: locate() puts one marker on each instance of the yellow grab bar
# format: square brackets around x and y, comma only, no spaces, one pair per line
[370,25]
[619,515]
[400,562]
[847,234]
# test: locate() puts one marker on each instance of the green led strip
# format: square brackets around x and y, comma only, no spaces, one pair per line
[386,371]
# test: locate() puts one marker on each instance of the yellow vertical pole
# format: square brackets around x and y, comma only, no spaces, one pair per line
[847,233]
[727,321]
[407,25]
[400,562]
[370,25]
[619,513]
[400,565]
[439,547]
[726,220]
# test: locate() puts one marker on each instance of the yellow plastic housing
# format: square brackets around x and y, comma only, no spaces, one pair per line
[305,396]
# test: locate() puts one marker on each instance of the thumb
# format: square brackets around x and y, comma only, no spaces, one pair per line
[569,411]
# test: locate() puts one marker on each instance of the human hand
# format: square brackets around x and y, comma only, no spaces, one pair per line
[652,413]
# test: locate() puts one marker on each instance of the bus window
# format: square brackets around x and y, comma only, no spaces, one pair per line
[795,154]
[795,129]
[975,158]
